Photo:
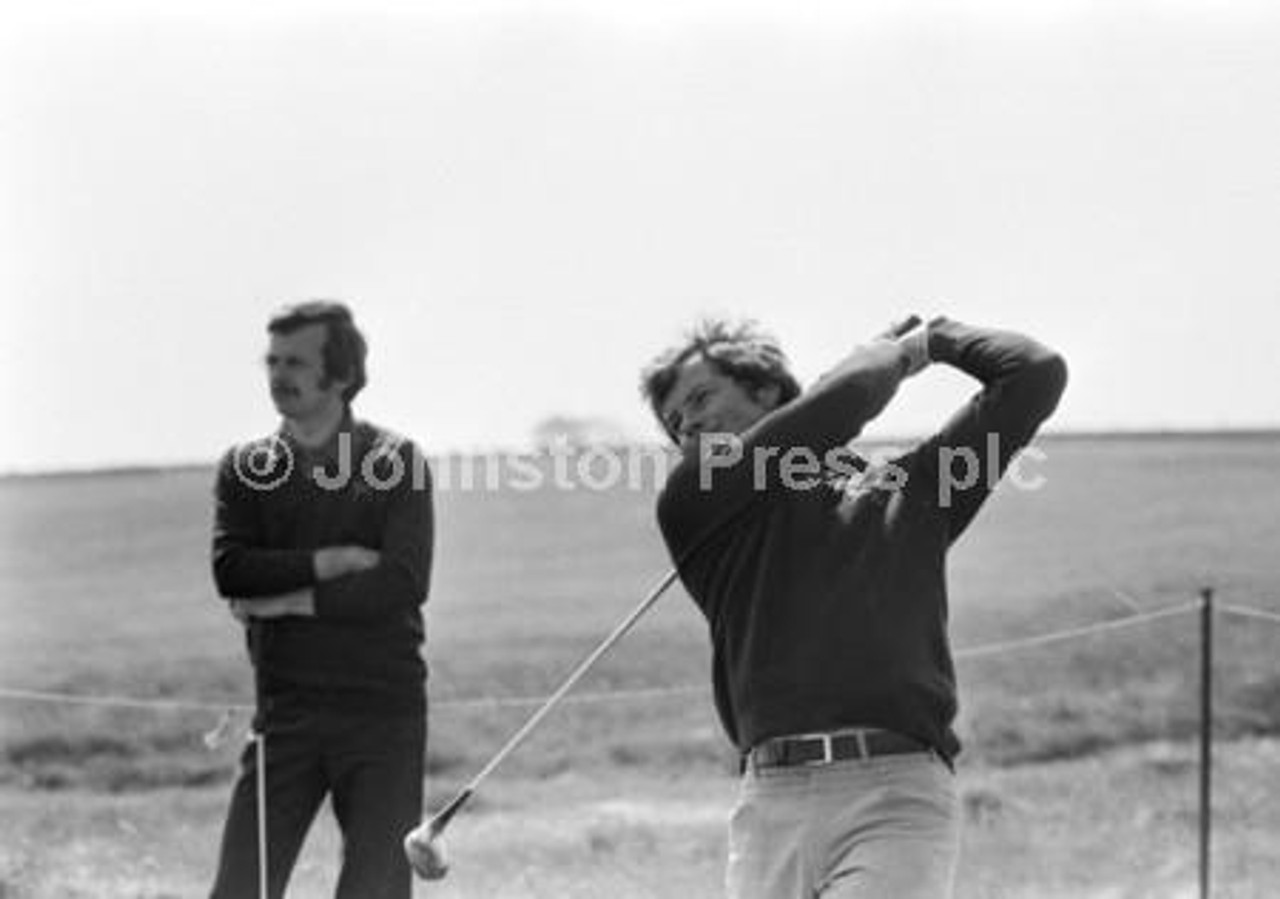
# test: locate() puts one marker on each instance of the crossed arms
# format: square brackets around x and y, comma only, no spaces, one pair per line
[328,563]
[342,581]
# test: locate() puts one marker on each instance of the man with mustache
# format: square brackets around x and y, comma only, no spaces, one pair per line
[823,581]
[322,545]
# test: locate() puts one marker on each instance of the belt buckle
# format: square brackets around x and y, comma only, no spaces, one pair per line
[828,753]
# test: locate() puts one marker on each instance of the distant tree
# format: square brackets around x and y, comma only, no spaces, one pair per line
[578,432]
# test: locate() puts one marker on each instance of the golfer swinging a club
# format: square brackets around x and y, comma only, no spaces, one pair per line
[823,581]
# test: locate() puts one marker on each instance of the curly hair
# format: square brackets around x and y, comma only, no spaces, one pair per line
[344,346]
[739,350]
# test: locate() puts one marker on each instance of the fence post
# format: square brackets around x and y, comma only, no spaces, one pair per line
[1206,734]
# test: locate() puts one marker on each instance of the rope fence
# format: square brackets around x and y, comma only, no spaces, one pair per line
[123,702]
[1074,633]
[1248,612]
[978,651]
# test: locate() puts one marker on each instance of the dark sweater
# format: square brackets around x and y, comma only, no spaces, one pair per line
[828,606]
[361,651]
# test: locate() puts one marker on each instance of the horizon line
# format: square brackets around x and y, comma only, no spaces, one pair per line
[1143,433]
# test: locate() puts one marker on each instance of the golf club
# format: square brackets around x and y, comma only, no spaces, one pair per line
[260,761]
[422,845]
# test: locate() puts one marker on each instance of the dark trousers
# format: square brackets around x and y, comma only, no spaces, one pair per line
[371,767]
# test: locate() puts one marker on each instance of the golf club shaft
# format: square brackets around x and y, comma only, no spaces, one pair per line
[441,818]
[260,762]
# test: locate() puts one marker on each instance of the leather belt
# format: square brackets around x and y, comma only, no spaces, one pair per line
[837,746]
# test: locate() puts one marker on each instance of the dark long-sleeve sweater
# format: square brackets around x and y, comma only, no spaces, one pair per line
[828,605]
[368,488]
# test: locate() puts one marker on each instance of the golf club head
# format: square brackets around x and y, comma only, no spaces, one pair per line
[424,846]
[425,850]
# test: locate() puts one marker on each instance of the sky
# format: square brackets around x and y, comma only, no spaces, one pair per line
[524,202]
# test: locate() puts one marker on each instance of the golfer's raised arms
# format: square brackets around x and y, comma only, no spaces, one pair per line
[822,578]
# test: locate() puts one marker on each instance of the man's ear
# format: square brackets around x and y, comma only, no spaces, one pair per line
[328,382]
[769,397]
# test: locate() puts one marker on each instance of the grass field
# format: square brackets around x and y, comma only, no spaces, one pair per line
[1079,770]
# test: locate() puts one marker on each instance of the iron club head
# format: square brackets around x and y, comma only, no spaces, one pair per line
[424,848]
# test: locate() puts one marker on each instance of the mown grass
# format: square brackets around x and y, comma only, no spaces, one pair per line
[1120,823]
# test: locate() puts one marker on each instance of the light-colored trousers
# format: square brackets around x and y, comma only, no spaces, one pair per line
[880,828]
